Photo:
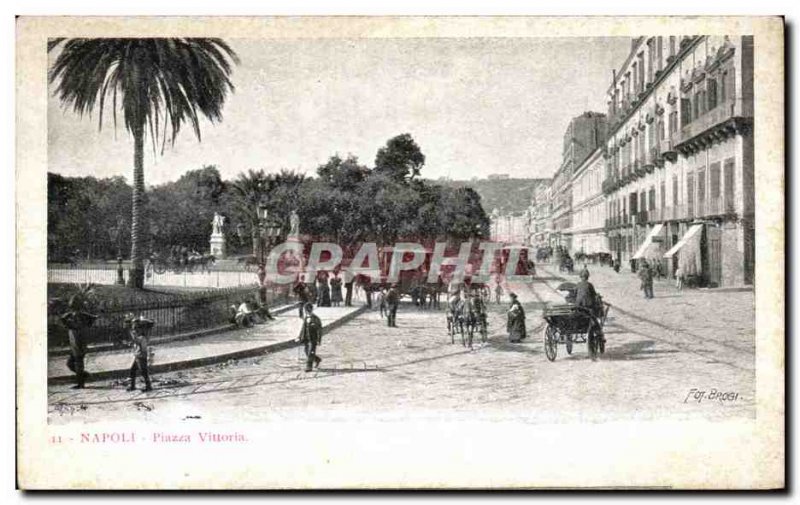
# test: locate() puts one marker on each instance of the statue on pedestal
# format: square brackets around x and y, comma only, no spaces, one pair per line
[217,241]
[294,224]
[217,223]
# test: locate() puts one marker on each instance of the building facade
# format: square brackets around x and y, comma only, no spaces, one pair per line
[589,206]
[585,134]
[541,215]
[679,181]
[511,228]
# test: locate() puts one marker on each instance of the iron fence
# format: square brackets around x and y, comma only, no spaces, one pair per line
[107,274]
[173,313]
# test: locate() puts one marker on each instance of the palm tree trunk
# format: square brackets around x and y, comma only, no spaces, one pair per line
[136,276]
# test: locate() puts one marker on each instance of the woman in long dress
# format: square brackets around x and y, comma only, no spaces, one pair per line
[516,320]
[336,291]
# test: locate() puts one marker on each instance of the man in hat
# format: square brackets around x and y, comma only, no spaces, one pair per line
[392,301]
[140,336]
[77,321]
[585,295]
[646,276]
[311,336]
[516,320]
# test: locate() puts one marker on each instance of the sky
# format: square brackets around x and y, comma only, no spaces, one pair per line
[475,106]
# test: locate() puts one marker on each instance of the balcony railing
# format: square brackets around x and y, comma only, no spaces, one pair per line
[650,159]
[719,114]
[715,206]
[668,149]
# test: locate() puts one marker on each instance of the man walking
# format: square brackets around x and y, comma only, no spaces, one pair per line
[392,301]
[498,291]
[311,336]
[77,321]
[646,276]
[679,278]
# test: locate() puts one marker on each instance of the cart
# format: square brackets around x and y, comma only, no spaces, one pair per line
[570,324]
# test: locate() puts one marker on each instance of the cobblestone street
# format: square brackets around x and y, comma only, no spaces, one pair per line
[651,366]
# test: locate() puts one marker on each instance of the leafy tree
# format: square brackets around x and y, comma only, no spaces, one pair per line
[173,81]
[345,175]
[401,158]
[180,212]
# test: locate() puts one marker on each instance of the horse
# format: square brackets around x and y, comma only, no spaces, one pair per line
[473,317]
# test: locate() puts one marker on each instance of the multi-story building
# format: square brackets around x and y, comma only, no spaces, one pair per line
[589,206]
[679,157]
[511,228]
[584,135]
[542,220]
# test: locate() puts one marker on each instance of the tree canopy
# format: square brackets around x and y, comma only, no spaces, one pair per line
[347,202]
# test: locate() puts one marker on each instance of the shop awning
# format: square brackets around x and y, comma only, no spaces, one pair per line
[693,232]
[648,241]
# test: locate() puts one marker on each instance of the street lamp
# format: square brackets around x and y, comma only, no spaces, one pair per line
[269,230]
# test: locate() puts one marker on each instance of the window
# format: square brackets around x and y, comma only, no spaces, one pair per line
[690,194]
[673,122]
[660,55]
[672,45]
[641,72]
[661,129]
[712,93]
[701,189]
[651,198]
[675,191]
[686,111]
[697,101]
[651,60]
[714,181]
[722,86]
[663,194]
[730,189]
[642,201]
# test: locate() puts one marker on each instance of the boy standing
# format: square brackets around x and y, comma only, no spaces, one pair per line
[140,335]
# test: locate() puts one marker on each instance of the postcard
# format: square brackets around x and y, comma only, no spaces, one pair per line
[400,253]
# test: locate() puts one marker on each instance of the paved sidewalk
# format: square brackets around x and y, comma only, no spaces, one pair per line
[269,337]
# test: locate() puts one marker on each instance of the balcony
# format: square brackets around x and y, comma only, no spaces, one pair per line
[654,158]
[638,168]
[669,152]
[715,207]
[721,122]
[609,185]
[656,215]
[641,217]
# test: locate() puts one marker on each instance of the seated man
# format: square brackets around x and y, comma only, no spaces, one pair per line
[586,296]
[244,316]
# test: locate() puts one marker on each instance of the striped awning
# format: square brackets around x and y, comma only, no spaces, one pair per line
[648,242]
[694,231]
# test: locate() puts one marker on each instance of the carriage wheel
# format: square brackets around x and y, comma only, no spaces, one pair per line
[178,268]
[160,268]
[484,332]
[601,339]
[470,331]
[593,344]
[569,344]
[550,342]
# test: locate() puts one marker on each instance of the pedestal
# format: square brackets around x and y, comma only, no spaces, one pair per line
[218,245]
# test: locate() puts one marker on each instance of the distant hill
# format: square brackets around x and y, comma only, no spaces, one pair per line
[506,195]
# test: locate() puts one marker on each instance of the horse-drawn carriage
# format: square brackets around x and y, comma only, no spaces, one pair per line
[570,324]
[466,316]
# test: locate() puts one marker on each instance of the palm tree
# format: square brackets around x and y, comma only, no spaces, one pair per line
[150,81]
[277,191]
